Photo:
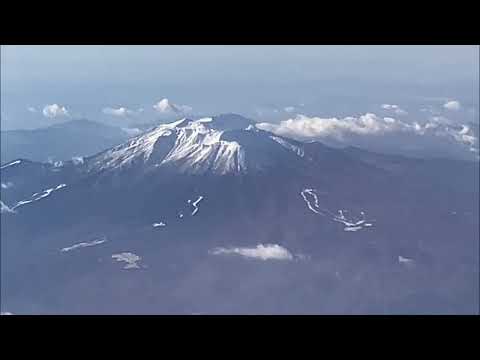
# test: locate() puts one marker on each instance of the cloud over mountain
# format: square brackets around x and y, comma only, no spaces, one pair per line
[121,111]
[453,105]
[165,106]
[436,131]
[54,110]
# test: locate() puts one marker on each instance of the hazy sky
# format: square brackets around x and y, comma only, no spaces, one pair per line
[258,81]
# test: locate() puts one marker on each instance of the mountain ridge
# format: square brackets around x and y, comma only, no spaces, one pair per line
[60,142]
[305,229]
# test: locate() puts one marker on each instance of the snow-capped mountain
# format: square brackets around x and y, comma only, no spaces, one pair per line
[214,215]
[227,144]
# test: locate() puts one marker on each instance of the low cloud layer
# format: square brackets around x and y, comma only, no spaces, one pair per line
[452,105]
[54,110]
[262,252]
[306,128]
[165,106]
[436,132]
[121,111]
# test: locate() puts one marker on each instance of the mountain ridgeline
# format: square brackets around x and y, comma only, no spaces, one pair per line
[215,216]
[60,142]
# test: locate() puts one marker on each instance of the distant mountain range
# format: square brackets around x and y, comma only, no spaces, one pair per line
[213,215]
[60,141]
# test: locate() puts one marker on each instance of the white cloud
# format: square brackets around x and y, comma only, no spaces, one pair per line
[54,110]
[131,259]
[395,108]
[263,252]
[31,109]
[121,111]
[347,129]
[304,127]
[289,109]
[465,136]
[441,120]
[453,105]
[164,106]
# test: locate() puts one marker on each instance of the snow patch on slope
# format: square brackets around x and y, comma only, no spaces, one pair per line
[352,228]
[38,196]
[311,199]
[130,259]
[404,260]
[78,160]
[286,144]
[10,164]
[195,205]
[84,244]
[5,209]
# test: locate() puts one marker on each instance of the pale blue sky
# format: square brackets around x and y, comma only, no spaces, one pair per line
[251,80]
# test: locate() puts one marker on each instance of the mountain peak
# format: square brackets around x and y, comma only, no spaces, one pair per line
[231,122]
[219,145]
[79,123]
